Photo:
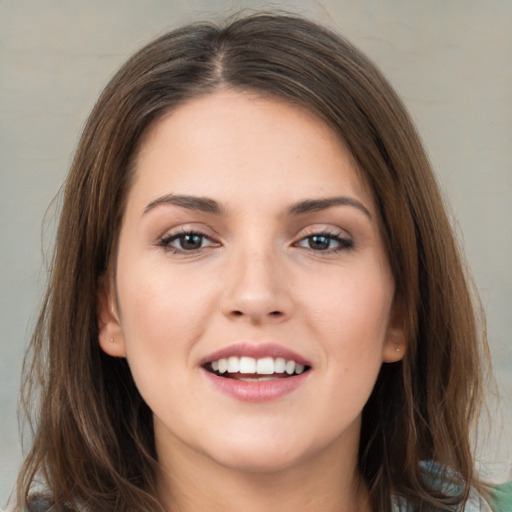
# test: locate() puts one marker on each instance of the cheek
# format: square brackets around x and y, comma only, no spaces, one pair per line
[162,317]
[162,312]
[349,312]
[345,302]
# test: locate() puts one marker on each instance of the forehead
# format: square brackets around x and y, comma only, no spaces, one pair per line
[238,145]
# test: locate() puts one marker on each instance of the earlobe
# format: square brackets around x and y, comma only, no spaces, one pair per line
[394,352]
[395,345]
[110,334]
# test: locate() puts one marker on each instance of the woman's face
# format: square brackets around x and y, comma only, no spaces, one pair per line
[253,297]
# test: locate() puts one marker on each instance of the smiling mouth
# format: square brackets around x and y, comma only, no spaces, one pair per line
[249,369]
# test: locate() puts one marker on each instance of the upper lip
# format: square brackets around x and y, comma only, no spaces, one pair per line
[255,350]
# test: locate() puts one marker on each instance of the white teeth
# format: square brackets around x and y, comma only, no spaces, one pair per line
[223,365]
[255,379]
[247,365]
[279,364]
[263,366]
[233,364]
[290,367]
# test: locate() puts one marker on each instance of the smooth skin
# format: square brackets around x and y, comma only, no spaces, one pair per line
[252,261]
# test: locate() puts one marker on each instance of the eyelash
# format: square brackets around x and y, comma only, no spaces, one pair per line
[166,241]
[344,244]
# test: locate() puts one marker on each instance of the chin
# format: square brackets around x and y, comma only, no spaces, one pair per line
[269,453]
[258,461]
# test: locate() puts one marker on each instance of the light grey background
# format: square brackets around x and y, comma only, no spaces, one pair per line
[450,60]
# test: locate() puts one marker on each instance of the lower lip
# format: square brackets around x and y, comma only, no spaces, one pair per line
[256,392]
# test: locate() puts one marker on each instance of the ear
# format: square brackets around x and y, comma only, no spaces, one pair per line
[395,344]
[110,334]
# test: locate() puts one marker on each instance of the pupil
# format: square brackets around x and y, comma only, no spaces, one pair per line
[191,242]
[319,242]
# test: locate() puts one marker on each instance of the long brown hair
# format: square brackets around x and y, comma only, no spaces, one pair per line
[93,433]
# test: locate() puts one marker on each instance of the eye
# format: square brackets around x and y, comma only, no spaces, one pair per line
[326,242]
[186,241]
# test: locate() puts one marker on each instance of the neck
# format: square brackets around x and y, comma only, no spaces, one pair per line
[191,484]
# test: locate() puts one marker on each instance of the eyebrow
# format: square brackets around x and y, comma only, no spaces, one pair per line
[202,204]
[207,205]
[316,205]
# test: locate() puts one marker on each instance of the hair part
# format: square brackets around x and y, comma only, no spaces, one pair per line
[93,433]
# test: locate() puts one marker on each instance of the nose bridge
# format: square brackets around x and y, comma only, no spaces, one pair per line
[256,288]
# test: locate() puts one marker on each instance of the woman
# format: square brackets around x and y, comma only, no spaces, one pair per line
[257,302]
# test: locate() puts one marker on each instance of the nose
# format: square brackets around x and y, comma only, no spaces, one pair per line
[257,289]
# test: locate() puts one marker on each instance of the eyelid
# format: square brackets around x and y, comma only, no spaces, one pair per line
[326,229]
[345,241]
[171,235]
[185,228]
[174,236]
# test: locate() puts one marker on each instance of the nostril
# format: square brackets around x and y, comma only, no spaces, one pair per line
[271,314]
